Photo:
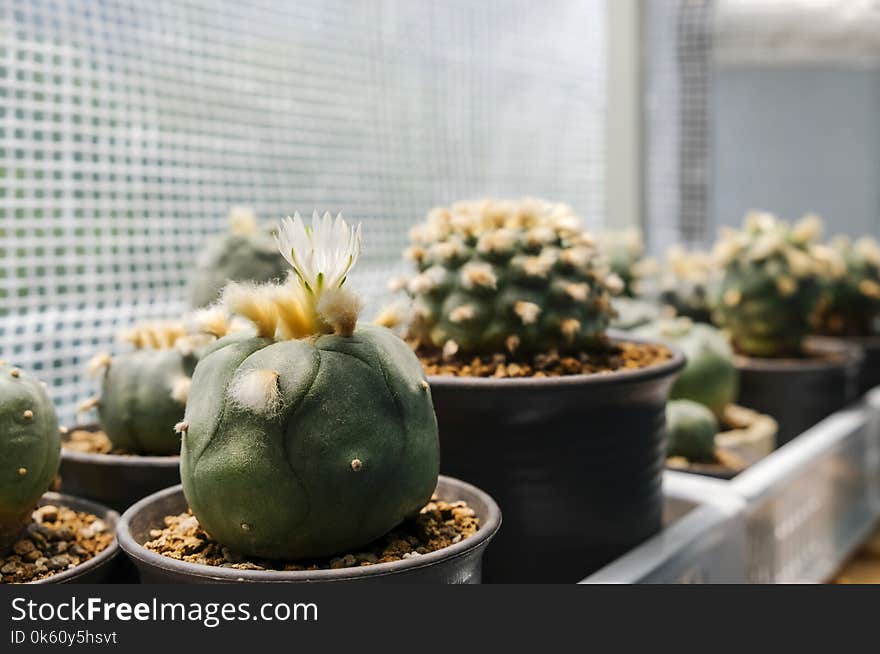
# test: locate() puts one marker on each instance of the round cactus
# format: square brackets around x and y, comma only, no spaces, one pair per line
[771,274]
[709,376]
[246,253]
[690,430]
[686,283]
[625,250]
[850,303]
[307,436]
[144,392]
[498,276]
[30,449]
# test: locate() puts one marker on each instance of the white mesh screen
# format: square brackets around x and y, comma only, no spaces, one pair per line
[128,128]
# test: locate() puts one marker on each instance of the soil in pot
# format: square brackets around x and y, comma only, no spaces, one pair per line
[440,524]
[91,468]
[571,446]
[57,539]
[747,437]
[799,392]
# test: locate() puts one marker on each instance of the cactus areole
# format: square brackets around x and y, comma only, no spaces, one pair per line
[30,449]
[307,436]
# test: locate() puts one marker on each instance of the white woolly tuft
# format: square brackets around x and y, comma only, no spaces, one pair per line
[392,315]
[528,312]
[98,364]
[256,391]
[180,389]
[340,308]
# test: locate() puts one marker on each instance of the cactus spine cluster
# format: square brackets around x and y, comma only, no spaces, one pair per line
[850,303]
[30,447]
[144,391]
[710,376]
[516,276]
[245,253]
[307,435]
[770,283]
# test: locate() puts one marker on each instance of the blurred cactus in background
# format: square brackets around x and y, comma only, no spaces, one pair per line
[690,431]
[850,303]
[771,277]
[625,251]
[507,276]
[246,253]
[686,283]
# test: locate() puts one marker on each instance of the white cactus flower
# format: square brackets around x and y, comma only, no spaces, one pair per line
[321,254]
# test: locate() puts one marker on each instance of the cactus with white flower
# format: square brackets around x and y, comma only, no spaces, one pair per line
[144,390]
[307,435]
[850,303]
[246,252]
[30,449]
[771,275]
[507,276]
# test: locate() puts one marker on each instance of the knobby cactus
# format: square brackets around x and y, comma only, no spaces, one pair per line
[686,283]
[850,303]
[709,376]
[307,435]
[144,392]
[690,431]
[496,276]
[30,449]
[245,253]
[771,276]
[625,250]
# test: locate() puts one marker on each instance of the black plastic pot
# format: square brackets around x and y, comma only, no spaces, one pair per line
[98,569]
[115,480]
[798,393]
[457,564]
[869,371]
[576,462]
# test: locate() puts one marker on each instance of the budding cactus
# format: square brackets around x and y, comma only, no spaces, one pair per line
[686,283]
[307,436]
[770,283]
[497,276]
[850,303]
[246,253]
[710,376]
[30,448]
[690,431]
[144,392]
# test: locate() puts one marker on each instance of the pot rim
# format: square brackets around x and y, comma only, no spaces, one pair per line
[126,460]
[138,553]
[106,514]
[851,355]
[654,371]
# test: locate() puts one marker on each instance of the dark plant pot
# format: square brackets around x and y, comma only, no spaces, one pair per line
[798,393]
[98,569]
[457,564]
[869,371]
[115,480]
[576,462]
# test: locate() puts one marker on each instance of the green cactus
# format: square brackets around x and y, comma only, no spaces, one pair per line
[710,376]
[498,276]
[245,253]
[625,250]
[686,283]
[632,313]
[690,431]
[850,303]
[308,436]
[769,289]
[144,391]
[30,449]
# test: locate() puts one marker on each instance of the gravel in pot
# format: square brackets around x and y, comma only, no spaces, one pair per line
[93,469]
[68,540]
[167,545]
